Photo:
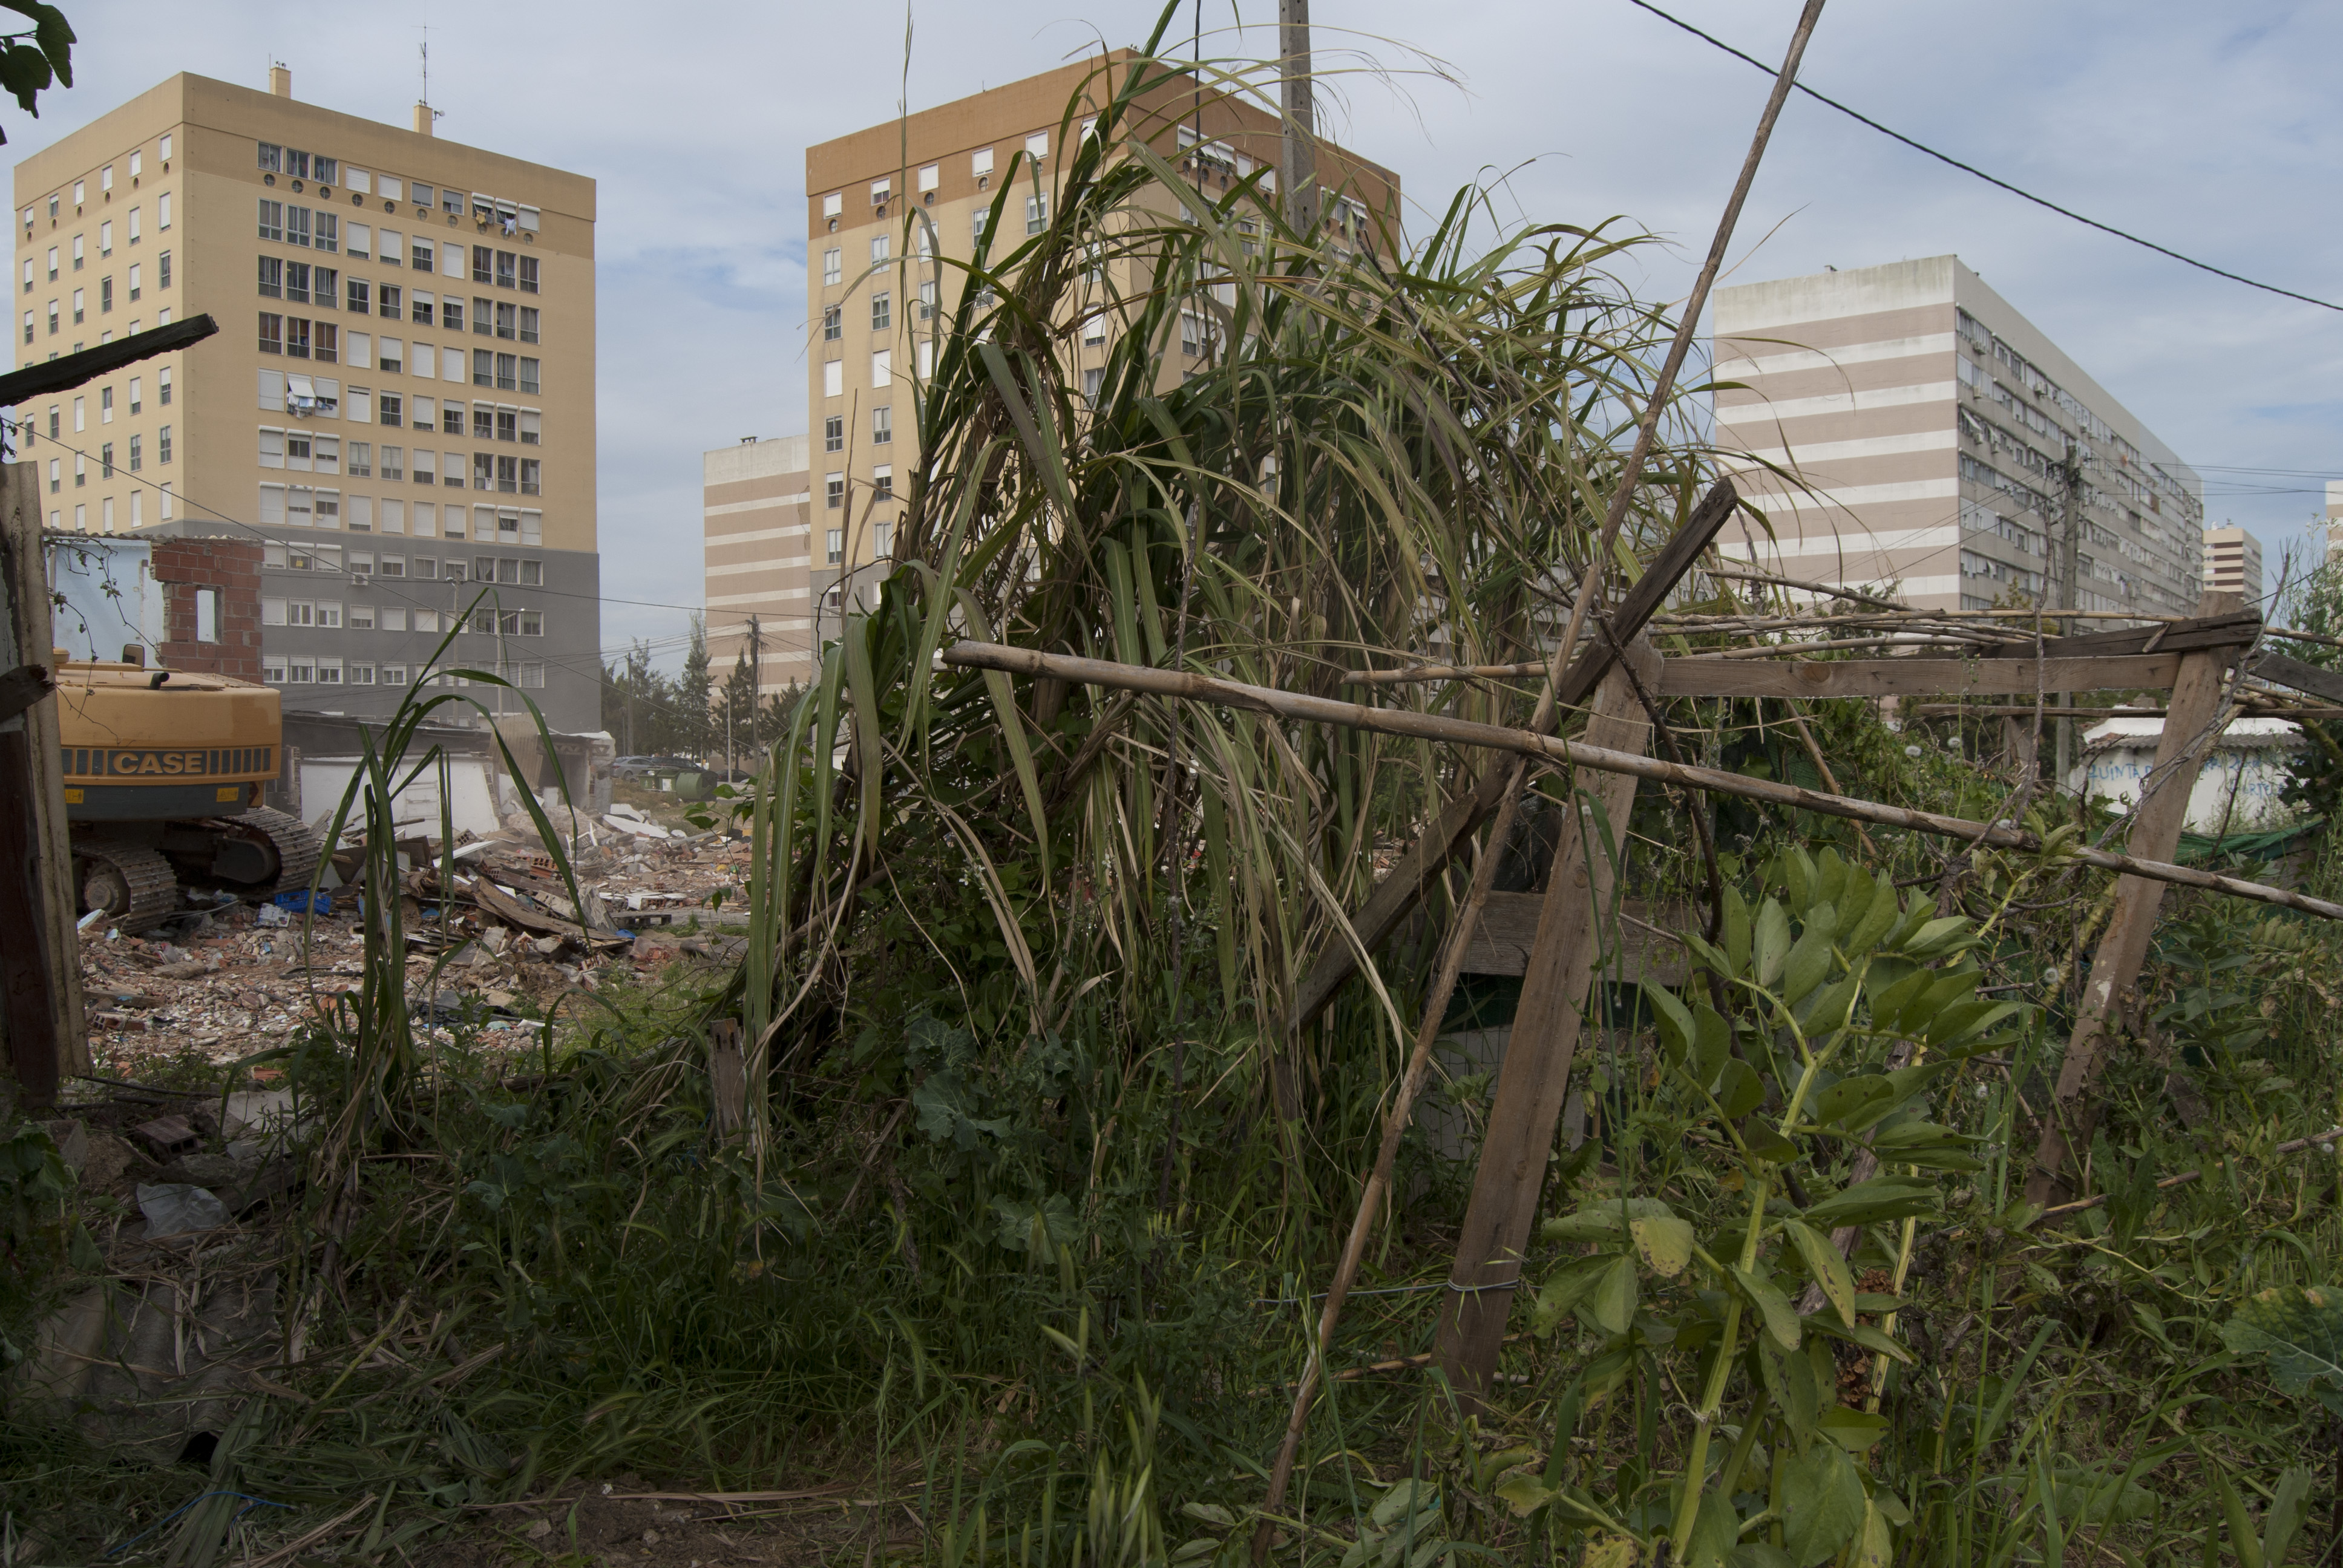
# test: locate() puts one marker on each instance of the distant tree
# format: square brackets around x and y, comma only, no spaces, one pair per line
[2315,773]
[693,689]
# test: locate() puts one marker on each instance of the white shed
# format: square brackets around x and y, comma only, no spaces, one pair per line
[2238,787]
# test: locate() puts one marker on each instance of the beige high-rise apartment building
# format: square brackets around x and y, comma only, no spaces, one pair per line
[873,319]
[399,403]
[1945,444]
[756,522]
[2334,519]
[2233,563]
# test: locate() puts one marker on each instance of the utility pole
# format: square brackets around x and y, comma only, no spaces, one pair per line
[755,677]
[2071,529]
[1299,165]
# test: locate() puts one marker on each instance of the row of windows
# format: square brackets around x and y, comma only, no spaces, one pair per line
[299,337]
[309,506]
[332,616]
[391,188]
[931,175]
[133,459]
[527,571]
[320,229]
[304,670]
[303,284]
[882,428]
[882,370]
[106,511]
[882,487]
[308,453]
[138,404]
[882,538]
[136,289]
[137,161]
[134,222]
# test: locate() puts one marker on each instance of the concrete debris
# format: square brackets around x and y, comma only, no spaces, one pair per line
[230,981]
[175,1207]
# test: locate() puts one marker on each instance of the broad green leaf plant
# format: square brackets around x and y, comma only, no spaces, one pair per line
[1813,1030]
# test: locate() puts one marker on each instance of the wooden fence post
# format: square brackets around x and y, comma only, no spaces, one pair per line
[40,953]
[2155,835]
[1536,1071]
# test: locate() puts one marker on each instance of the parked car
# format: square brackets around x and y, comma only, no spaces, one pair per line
[651,767]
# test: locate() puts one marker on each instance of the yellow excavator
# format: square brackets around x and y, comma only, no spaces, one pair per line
[163,771]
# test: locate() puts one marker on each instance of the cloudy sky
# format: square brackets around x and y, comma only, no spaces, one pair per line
[2211,129]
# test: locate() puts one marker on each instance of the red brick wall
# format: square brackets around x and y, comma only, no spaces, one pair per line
[185,567]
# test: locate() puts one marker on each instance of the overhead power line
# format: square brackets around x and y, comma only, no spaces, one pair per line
[1972,169]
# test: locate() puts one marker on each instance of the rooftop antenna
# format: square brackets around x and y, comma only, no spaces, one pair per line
[425,50]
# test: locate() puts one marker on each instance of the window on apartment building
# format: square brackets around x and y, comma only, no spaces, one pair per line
[1037,214]
[508,269]
[833,322]
[106,460]
[529,275]
[528,324]
[53,318]
[137,454]
[422,306]
[78,302]
[483,317]
[833,376]
[53,263]
[105,404]
[105,237]
[508,424]
[104,295]
[834,550]
[532,428]
[28,326]
[882,311]
[484,368]
[297,337]
[76,253]
[296,226]
[483,264]
[361,463]
[421,255]
[389,302]
[882,482]
[832,268]
[296,282]
[81,414]
[528,376]
[508,321]
[163,455]
[878,247]
[451,314]
[137,393]
[882,370]
[135,291]
[484,421]
[271,332]
[928,300]
[833,433]
[833,490]
[882,425]
[329,231]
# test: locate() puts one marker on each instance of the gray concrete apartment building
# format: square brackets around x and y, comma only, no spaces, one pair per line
[1933,425]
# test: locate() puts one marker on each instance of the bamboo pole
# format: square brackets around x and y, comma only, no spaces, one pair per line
[1416,725]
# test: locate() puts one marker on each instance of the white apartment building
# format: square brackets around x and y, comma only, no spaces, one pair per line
[1941,443]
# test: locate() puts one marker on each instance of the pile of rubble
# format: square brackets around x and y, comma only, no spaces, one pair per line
[493,918]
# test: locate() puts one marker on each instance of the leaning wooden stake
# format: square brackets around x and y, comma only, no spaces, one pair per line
[2189,717]
[1578,754]
[1544,1037]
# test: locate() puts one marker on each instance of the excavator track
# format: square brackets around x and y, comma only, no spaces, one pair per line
[133,884]
[296,845]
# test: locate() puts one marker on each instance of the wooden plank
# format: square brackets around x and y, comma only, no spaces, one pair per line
[2190,636]
[1397,895]
[1644,947]
[1913,676]
[1527,1106]
[73,369]
[2156,827]
[40,965]
[2280,670]
[1193,688]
